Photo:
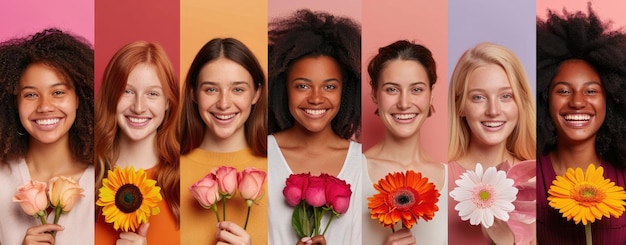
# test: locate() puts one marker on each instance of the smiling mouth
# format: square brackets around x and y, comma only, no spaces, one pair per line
[315,112]
[224,117]
[493,124]
[46,122]
[405,116]
[137,120]
[577,117]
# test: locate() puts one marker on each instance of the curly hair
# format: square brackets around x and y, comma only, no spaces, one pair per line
[313,34]
[106,129]
[192,125]
[73,58]
[402,50]
[583,36]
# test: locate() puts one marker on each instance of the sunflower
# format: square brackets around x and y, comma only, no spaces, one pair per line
[586,196]
[403,196]
[483,196]
[128,198]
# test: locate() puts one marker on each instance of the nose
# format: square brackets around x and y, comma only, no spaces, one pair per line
[493,108]
[45,104]
[403,101]
[577,100]
[315,96]
[139,106]
[224,101]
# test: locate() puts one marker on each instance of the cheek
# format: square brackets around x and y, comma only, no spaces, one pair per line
[205,102]
[123,104]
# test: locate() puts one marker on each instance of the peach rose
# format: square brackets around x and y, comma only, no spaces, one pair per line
[251,183]
[32,197]
[64,192]
[226,180]
[206,191]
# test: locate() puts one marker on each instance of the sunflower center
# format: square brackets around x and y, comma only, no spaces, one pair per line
[588,195]
[128,198]
[403,198]
[483,196]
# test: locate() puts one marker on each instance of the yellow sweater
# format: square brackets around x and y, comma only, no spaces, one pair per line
[198,225]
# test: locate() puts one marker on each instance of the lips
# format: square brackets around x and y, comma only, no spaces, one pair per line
[577,117]
[493,124]
[137,119]
[47,122]
[224,116]
[315,112]
[404,116]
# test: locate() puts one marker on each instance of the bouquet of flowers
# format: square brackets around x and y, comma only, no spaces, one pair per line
[404,197]
[585,197]
[313,197]
[223,183]
[128,198]
[61,193]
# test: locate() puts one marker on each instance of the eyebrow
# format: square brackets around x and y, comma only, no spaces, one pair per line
[482,90]
[570,84]
[397,84]
[310,81]
[53,85]
[232,83]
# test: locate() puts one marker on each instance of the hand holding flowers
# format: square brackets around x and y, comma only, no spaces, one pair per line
[312,197]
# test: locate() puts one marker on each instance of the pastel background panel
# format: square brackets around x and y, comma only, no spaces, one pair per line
[202,21]
[607,10]
[425,23]
[508,23]
[121,22]
[26,17]
[347,8]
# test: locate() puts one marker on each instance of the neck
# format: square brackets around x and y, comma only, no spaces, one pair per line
[304,137]
[235,142]
[486,155]
[39,155]
[574,156]
[406,151]
[139,154]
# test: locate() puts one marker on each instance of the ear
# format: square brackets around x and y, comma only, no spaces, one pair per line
[167,105]
[257,95]
[373,96]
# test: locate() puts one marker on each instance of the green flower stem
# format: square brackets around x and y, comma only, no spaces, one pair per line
[588,233]
[247,216]
[224,208]
[316,230]
[328,224]
[217,215]
[41,217]
[57,214]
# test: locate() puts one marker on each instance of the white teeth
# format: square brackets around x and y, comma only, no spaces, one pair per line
[137,120]
[225,117]
[314,112]
[577,117]
[45,122]
[493,124]
[405,116]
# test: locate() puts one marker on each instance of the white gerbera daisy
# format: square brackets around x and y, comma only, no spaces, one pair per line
[483,196]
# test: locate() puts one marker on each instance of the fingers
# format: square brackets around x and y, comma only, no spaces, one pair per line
[231,233]
[38,235]
[318,240]
[400,237]
[143,229]
[132,238]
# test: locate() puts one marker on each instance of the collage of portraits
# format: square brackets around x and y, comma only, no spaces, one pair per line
[312,122]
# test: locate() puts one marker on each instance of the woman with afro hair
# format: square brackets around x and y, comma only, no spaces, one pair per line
[46,131]
[314,116]
[581,78]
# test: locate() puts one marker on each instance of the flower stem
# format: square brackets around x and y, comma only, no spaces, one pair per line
[247,216]
[224,208]
[43,220]
[57,214]
[217,215]
[588,233]
[328,224]
[317,223]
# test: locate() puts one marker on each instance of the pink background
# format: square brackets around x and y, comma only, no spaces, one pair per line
[606,10]
[348,8]
[120,22]
[384,23]
[20,18]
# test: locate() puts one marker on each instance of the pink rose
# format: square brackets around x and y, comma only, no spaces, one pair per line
[295,186]
[315,195]
[226,180]
[337,194]
[206,191]
[32,197]
[64,192]
[251,183]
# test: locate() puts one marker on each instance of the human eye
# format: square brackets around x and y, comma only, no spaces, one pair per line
[417,90]
[302,86]
[30,95]
[210,90]
[330,87]
[478,98]
[391,90]
[507,96]
[153,93]
[128,91]
[238,90]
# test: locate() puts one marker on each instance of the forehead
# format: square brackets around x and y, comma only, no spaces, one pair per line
[223,70]
[489,76]
[313,68]
[400,71]
[40,74]
[144,75]
[576,72]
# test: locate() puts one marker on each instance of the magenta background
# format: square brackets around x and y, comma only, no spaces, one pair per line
[19,18]
[120,22]
[613,10]
[384,23]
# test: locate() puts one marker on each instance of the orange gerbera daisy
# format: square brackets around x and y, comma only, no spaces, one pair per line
[403,196]
[586,196]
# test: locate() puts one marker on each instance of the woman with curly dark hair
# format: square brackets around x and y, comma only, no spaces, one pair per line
[581,77]
[314,113]
[46,131]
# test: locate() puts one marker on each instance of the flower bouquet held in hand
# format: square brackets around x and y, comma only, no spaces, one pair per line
[404,197]
[62,194]
[483,196]
[313,197]
[128,198]
[585,197]
[223,183]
